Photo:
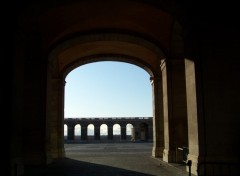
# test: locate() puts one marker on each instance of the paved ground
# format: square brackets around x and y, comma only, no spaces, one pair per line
[109,159]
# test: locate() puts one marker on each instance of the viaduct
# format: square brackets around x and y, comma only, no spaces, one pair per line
[142,128]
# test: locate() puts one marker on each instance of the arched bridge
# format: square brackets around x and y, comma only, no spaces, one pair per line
[141,128]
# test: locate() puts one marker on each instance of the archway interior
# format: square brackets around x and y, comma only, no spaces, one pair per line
[107,89]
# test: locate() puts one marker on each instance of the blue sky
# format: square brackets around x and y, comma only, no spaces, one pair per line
[108,89]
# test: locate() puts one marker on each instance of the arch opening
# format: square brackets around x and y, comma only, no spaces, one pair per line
[70,55]
[65,132]
[108,89]
[90,132]
[116,132]
[107,47]
[129,132]
[77,132]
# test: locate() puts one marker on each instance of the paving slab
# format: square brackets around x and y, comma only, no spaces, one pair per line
[109,159]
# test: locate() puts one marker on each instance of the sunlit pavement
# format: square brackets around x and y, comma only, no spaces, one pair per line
[105,159]
[130,156]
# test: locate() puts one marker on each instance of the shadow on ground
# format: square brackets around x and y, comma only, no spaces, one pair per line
[70,167]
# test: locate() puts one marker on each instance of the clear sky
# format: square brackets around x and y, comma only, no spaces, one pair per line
[108,89]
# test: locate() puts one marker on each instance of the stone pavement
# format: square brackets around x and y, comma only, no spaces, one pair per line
[109,159]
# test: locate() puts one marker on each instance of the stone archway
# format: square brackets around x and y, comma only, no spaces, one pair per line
[130,49]
[50,28]
[92,48]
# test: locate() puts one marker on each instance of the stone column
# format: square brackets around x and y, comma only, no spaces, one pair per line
[157,126]
[150,133]
[133,134]
[110,132]
[168,153]
[143,132]
[97,132]
[175,109]
[83,132]
[179,101]
[123,133]
[71,135]
[193,126]
[137,132]
[54,119]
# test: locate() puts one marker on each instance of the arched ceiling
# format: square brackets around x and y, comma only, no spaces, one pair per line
[111,47]
[64,22]
[92,16]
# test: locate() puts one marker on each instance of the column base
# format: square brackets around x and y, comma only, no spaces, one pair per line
[157,152]
[17,166]
[194,164]
[34,158]
[169,156]
[56,154]
[219,163]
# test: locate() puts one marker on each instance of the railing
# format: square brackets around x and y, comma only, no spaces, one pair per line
[218,169]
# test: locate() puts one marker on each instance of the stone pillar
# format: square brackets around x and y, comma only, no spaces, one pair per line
[71,135]
[97,132]
[157,126]
[150,133]
[110,132]
[137,132]
[143,132]
[83,132]
[54,119]
[168,153]
[193,136]
[133,134]
[123,133]
[175,109]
